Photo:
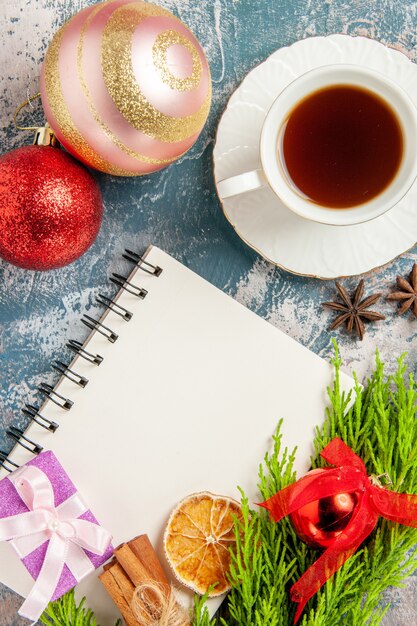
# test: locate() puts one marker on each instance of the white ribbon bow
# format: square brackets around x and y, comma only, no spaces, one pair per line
[67,535]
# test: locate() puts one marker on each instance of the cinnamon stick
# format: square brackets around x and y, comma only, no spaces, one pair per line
[116,595]
[125,584]
[109,565]
[144,551]
[137,573]
[135,563]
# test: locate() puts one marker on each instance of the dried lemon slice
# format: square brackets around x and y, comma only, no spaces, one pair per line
[197,540]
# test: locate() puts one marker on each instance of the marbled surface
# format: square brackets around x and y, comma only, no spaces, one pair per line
[177,208]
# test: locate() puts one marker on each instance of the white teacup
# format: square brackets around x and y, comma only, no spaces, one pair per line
[273,174]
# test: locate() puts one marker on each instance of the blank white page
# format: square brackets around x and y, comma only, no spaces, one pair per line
[186,400]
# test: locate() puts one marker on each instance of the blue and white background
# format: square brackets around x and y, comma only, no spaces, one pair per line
[177,208]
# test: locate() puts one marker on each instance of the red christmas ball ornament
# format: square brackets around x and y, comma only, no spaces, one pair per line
[50,208]
[320,522]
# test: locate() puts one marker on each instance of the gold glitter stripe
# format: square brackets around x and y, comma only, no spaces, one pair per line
[116,61]
[159,55]
[106,130]
[58,106]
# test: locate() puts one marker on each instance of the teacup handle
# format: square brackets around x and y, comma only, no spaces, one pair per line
[242,183]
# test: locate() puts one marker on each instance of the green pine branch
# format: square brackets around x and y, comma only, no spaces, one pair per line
[381,427]
[200,614]
[66,612]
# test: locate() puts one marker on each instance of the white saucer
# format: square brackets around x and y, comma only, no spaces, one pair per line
[266,225]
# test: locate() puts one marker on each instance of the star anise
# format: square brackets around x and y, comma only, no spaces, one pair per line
[407,292]
[354,310]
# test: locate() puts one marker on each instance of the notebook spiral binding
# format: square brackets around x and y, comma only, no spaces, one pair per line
[33,412]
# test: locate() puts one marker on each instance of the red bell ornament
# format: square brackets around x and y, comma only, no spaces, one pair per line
[336,508]
[50,206]
[320,522]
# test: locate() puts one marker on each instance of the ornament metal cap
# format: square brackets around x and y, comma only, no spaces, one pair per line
[44,135]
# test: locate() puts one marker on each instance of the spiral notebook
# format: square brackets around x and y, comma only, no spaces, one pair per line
[177,389]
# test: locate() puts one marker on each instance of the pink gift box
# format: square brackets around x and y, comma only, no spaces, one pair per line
[11,504]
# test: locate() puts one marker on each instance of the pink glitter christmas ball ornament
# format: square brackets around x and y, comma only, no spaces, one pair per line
[126,87]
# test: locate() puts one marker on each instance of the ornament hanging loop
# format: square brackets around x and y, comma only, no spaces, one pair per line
[377,482]
[22,106]
[44,135]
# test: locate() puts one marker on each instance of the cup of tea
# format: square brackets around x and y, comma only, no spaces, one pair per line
[338,146]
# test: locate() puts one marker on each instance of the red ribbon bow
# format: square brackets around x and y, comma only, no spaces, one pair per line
[349,477]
